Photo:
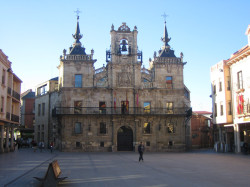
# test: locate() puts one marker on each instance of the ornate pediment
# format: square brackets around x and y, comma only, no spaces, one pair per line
[124,28]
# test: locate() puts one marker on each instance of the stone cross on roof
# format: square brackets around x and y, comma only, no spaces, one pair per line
[164,16]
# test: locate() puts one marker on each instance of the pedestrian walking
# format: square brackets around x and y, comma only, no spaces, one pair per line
[141,150]
[51,146]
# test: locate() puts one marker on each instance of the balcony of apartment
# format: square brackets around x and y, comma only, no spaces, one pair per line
[16,95]
[12,117]
[136,111]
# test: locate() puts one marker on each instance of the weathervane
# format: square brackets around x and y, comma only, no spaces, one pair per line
[164,16]
[77,12]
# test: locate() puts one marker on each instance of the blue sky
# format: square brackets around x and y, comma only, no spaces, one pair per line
[34,33]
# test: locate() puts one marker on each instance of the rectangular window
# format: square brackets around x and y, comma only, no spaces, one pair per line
[240,80]
[78,81]
[125,107]
[147,107]
[78,107]
[169,82]
[148,144]
[214,87]
[215,109]
[43,109]
[102,107]
[220,85]
[39,109]
[103,129]
[229,108]
[3,76]
[78,144]
[146,128]
[78,128]
[228,83]
[2,104]
[169,107]
[221,109]
[101,144]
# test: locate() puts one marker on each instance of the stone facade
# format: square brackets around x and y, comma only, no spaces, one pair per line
[115,107]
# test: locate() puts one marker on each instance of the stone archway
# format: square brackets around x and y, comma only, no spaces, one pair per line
[125,139]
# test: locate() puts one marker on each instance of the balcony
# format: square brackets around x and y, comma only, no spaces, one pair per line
[14,118]
[118,111]
[16,95]
[9,91]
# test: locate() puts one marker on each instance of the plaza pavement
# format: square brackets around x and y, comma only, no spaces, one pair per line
[197,168]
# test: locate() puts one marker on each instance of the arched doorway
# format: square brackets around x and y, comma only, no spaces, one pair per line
[125,139]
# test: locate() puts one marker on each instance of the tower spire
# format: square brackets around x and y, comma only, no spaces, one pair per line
[165,38]
[77,36]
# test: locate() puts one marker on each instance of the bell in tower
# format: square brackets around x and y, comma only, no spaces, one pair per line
[124,47]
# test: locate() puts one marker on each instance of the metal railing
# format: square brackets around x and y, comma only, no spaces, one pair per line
[118,111]
[16,95]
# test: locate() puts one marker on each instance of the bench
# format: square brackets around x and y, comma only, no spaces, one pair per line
[51,177]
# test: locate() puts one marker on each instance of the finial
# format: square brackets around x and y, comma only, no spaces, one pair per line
[164,16]
[77,13]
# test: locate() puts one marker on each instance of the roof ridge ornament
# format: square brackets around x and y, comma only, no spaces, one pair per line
[124,27]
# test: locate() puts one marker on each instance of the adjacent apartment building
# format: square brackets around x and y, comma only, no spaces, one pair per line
[9,104]
[115,107]
[27,115]
[46,98]
[202,130]
[230,81]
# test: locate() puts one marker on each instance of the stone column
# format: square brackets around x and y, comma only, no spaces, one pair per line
[237,138]
[12,147]
[1,139]
[7,139]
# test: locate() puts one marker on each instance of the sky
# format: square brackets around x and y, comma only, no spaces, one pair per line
[33,34]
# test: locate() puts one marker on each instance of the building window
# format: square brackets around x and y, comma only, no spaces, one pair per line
[214,87]
[169,82]
[102,107]
[78,128]
[103,129]
[124,107]
[101,144]
[239,80]
[43,109]
[42,90]
[229,108]
[215,109]
[78,81]
[221,109]
[171,128]
[228,83]
[78,107]
[3,76]
[146,128]
[147,107]
[39,109]
[78,144]
[2,104]
[186,93]
[148,144]
[169,107]
[220,85]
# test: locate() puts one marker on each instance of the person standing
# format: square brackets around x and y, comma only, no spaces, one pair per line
[141,150]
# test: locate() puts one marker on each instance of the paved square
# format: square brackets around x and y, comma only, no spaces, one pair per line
[202,168]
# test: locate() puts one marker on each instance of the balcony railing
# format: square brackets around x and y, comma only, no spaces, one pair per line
[14,118]
[16,95]
[117,111]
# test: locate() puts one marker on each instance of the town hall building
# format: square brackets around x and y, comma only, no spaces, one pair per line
[121,104]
